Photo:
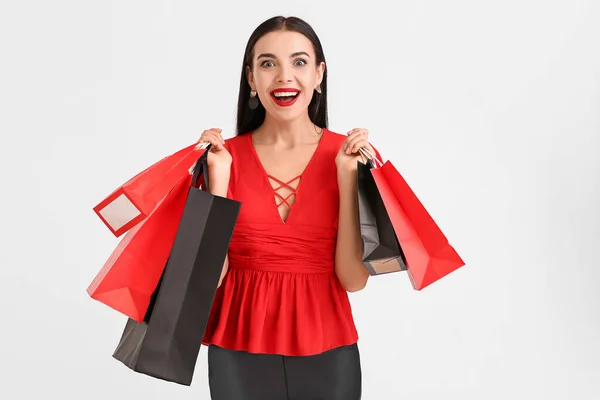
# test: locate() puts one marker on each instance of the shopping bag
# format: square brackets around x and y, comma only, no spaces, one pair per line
[134,200]
[428,254]
[167,343]
[382,253]
[132,272]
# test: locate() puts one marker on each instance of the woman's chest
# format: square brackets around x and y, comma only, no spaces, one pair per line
[308,198]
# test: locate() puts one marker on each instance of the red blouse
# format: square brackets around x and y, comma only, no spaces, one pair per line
[281,294]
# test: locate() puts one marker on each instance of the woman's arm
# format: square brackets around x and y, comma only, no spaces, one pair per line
[349,268]
[219,170]
[219,185]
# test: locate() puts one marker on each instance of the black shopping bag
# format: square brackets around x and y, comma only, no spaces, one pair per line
[166,345]
[381,250]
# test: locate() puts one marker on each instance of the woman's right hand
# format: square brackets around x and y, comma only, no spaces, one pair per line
[218,156]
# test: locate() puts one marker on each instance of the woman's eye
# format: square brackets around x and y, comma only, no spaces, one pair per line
[300,62]
[267,64]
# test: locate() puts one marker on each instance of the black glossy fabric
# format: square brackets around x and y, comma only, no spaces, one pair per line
[237,375]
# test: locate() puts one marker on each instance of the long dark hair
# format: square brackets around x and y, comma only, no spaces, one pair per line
[247,119]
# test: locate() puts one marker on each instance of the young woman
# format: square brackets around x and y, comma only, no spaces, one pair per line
[282,326]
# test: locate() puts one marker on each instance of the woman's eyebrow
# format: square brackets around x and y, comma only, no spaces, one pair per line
[271,55]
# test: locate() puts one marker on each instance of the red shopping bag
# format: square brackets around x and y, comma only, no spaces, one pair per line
[132,272]
[133,201]
[429,256]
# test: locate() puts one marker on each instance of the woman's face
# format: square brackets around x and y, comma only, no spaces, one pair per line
[285,73]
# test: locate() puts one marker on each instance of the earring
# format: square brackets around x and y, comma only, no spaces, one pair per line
[318,89]
[253,102]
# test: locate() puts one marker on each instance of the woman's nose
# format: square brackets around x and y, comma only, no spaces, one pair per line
[284,75]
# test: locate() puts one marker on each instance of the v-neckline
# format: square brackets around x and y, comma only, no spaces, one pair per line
[267,179]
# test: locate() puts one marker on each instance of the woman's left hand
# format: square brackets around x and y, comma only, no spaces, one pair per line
[349,153]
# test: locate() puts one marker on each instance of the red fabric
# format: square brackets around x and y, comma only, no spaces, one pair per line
[281,294]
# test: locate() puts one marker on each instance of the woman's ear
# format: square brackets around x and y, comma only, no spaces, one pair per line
[250,77]
[320,73]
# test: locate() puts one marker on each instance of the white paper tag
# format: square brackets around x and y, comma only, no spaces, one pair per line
[119,212]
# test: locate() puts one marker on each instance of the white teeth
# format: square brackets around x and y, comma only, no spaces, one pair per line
[285,94]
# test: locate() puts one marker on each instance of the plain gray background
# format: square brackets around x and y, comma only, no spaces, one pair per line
[490,110]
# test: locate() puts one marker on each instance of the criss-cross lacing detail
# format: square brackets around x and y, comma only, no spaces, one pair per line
[284,185]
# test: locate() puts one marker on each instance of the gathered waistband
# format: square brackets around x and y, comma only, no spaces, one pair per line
[304,249]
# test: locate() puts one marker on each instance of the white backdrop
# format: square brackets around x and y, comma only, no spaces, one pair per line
[489,109]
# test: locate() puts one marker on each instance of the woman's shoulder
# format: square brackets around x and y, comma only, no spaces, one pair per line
[236,139]
[237,142]
[336,137]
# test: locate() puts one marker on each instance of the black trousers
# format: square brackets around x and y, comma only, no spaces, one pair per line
[237,375]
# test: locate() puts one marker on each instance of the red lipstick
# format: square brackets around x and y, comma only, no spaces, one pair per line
[285,97]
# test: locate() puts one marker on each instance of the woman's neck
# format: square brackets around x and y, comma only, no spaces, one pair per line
[287,133]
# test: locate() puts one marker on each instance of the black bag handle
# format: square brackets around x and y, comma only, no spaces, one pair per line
[201,168]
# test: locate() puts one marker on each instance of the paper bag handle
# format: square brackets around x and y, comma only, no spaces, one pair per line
[370,156]
[201,168]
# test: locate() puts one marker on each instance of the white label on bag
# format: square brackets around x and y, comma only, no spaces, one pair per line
[119,212]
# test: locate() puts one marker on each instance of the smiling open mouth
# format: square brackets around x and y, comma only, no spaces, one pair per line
[285,97]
